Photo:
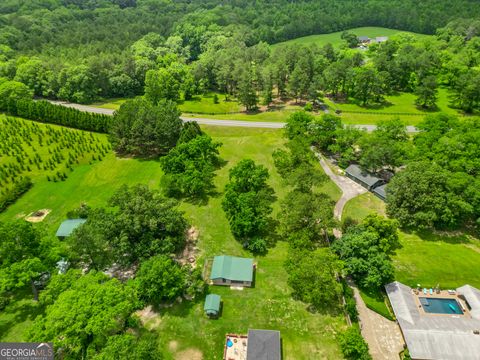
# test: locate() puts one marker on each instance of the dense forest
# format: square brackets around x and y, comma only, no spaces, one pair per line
[79,50]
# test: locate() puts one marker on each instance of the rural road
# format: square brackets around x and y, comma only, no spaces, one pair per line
[206,121]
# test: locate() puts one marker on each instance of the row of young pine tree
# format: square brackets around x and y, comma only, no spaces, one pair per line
[46,112]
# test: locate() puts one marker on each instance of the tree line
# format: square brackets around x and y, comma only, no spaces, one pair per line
[16,100]
[81,66]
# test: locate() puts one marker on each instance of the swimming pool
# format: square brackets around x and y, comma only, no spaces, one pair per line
[440,306]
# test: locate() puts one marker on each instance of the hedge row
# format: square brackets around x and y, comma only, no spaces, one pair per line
[18,189]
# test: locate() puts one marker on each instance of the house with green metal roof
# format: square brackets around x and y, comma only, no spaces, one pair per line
[66,228]
[232,270]
[212,305]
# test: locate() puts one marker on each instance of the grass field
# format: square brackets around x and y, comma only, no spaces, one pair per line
[336,40]
[400,105]
[184,327]
[427,258]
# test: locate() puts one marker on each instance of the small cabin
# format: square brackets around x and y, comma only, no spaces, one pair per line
[232,270]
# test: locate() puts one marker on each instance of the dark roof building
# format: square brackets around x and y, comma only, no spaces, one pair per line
[362,177]
[381,192]
[264,345]
[363,39]
[66,228]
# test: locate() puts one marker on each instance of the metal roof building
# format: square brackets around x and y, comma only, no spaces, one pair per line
[445,337]
[66,228]
[367,180]
[381,192]
[264,345]
[212,305]
[227,270]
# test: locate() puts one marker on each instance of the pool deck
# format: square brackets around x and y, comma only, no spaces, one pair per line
[438,336]
[443,294]
[239,349]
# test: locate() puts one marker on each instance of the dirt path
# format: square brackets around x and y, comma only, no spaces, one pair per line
[350,188]
[383,336]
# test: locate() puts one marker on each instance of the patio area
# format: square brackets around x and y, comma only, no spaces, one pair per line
[235,347]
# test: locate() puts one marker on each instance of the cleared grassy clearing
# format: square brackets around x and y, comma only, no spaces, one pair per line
[205,104]
[268,305]
[336,40]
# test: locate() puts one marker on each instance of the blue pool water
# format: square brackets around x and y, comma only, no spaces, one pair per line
[229,343]
[440,306]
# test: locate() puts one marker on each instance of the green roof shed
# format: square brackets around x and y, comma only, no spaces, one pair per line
[232,268]
[66,228]
[212,304]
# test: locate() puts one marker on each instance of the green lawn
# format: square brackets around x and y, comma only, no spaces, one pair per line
[112,104]
[376,302]
[361,206]
[400,105]
[205,104]
[18,316]
[426,258]
[269,305]
[335,38]
[430,259]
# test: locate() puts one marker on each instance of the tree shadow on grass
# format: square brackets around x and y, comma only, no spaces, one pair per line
[450,237]
[182,309]
[23,308]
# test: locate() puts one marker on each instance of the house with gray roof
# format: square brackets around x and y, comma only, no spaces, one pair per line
[264,345]
[362,177]
[434,335]
[232,270]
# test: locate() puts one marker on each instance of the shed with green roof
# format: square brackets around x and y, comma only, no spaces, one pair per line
[212,305]
[66,228]
[232,270]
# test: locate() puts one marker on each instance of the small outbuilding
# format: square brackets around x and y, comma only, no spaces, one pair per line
[381,39]
[232,270]
[66,228]
[212,305]
[264,345]
[367,180]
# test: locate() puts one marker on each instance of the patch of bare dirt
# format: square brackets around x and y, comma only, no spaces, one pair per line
[149,318]
[173,346]
[189,354]
[120,273]
[38,216]
[190,253]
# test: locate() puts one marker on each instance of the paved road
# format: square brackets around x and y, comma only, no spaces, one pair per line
[206,121]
